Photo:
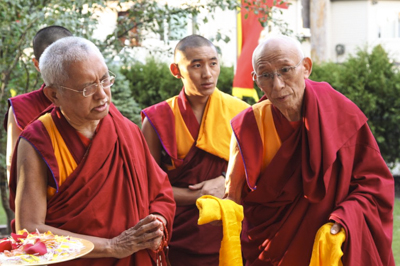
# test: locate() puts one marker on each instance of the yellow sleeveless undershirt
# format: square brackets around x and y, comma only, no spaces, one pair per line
[215,130]
[66,163]
[266,126]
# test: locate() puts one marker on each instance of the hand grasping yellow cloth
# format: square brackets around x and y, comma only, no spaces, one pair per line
[231,214]
[327,249]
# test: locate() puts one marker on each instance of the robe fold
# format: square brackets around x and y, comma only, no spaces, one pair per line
[193,153]
[27,107]
[327,168]
[115,183]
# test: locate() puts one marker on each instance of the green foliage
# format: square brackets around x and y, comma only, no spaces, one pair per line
[20,20]
[152,82]
[225,79]
[268,14]
[372,82]
[396,231]
[122,97]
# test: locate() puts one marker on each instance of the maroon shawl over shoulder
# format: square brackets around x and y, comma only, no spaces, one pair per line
[27,107]
[330,168]
[191,244]
[117,183]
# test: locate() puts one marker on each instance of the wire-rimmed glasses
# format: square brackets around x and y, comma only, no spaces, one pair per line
[284,73]
[92,88]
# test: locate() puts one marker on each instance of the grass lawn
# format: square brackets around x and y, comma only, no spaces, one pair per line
[396,229]
[3,218]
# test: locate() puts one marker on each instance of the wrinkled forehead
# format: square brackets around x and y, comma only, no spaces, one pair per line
[277,51]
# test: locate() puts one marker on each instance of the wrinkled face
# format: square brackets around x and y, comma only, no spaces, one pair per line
[77,108]
[199,70]
[285,90]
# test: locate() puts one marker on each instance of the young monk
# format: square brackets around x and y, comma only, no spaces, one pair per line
[189,136]
[26,107]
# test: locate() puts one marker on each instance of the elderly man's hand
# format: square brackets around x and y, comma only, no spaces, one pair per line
[146,234]
[214,187]
[335,228]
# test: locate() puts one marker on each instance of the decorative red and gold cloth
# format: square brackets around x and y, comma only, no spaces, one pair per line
[115,183]
[27,107]
[329,167]
[194,153]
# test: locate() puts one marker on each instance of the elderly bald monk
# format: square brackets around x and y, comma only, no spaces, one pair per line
[302,157]
[83,170]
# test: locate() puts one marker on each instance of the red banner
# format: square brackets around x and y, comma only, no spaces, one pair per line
[248,34]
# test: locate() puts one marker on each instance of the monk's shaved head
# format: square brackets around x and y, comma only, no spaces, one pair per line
[280,42]
[47,36]
[192,41]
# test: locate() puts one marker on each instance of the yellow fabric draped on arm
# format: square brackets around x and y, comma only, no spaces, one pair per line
[231,214]
[327,249]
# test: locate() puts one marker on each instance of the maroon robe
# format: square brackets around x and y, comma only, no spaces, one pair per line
[191,244]
[330,168]
[27,107]
[116,183]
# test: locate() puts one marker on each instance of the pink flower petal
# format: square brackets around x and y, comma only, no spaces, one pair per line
[5,245]
[39,248]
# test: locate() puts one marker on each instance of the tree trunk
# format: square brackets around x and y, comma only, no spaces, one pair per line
[319,18]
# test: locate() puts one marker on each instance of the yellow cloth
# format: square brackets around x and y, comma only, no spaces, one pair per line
[269,136]
[245,92]
[215,129]
[66,163]
[231,214]
[327,247]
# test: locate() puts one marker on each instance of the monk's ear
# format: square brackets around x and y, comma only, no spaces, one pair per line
[307,63]
[53,94]
[36,63]
[174,68]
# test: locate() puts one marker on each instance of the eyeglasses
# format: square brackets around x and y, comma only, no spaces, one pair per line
[284,73]
[92,88]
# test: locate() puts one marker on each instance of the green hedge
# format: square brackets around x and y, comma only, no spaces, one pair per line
[371,81]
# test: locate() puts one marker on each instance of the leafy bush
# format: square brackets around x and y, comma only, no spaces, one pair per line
[225,79]
[122,97]
[151,82]
[372,82]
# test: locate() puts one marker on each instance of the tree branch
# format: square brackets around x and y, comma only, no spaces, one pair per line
[5,76]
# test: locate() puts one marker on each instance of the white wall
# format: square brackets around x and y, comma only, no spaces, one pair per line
[224,22]
[388,24]
[359,24]
[348,27]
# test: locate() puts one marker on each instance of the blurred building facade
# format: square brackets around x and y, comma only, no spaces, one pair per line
[330,30]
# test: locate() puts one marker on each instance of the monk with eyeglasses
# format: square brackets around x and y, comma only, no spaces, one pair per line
[84,170]
[308,171]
